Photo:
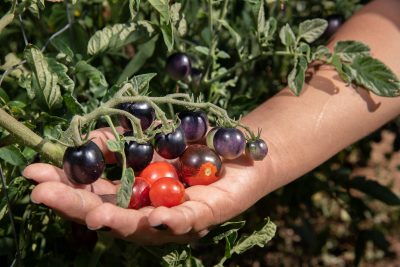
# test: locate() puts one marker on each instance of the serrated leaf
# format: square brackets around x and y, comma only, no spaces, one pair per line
[175,258]
[5,20]
[73,105]
[141,82]
[322,52]
[115,146]
[110,37]
[182,26]
[287,36]
[257,238]
[232,31]
[61,71]
[134,7]
[296,77]
[372,74]
[168,36]
[97,81]
[12,155]
[375,190]
[125,191]
[175,8]
[223,230]
[348,50]
[341,69]
[162,6]
[46,82]
[311,30]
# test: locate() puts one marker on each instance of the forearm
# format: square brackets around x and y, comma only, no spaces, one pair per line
[303,132]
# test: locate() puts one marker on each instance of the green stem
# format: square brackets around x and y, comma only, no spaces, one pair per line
[27,137]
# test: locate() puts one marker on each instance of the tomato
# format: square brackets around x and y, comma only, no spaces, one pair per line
[178,66]
[256,149]
[83,164]
[200,165]
[157,170]
[194,124]
[228,142]
[167,192]
[141,110]
[140,194]
[334,23]
[170,145]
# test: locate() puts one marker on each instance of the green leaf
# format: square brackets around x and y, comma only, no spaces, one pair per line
[110,37]
[46,81]
[222,231]
[162,7]
[304,49]
[115,146]
[322,52]
[229,243]
[97,81]
[375,190]
[232,32]
[348,50]
[73,105]
[296,77]
[257,238]
[175,8]
[167,31]
[5,20]
[372,74]
[311,30]
[145,51]
[202,49]
[125,191]
[182,27]
[134,7]
[261,19]
[287,36]
[141,82]
[270,29]
[61,71]
[12,155]
[341,69]
[175,258]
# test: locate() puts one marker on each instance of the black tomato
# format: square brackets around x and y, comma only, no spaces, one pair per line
[229,142]
[140,194]
[200,165]
[194,125]
[334,22]
[171,145]
[83,164]
[141,110]
[256,149]
[138,155]
[178,66]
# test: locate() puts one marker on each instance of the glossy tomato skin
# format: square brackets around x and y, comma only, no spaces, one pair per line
[229,142]
[171,145]
[178,66]
[167,192]
[83,164]
[157,170]
[200,165]
[140,194]
[256,149]
[141,110]
[334,23]
[194,125]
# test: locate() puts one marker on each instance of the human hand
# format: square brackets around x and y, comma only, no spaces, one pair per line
[204,207]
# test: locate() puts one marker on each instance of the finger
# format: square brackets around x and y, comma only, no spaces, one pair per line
[194,215]
[43,172]
[69,202]
[133,225]
[100,137]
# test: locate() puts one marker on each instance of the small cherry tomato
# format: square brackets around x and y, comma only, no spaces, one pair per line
[200,165]
[229,142]
[170,145]
[194,124]
[141,110]
[140,194]
[256,149]
[178,66]
[157,170]
[167,192]
[83,164]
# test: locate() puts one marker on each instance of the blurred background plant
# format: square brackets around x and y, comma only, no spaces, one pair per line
[345,212]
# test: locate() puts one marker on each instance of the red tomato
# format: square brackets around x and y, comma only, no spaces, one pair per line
[157,170]
[140,194]
[167,192]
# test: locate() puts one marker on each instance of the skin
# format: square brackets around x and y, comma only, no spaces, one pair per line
[301,133]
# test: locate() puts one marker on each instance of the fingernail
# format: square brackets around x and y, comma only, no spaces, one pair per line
[34,201]
[161,227]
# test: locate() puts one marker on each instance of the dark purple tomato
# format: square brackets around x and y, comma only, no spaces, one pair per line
[141,110]
[210,137]
[229,142]
[138,155]
[200,165]
[194,125]
[178,66]
[256,149]
[334,22]
[83,164]
[171,145]
[140,194]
